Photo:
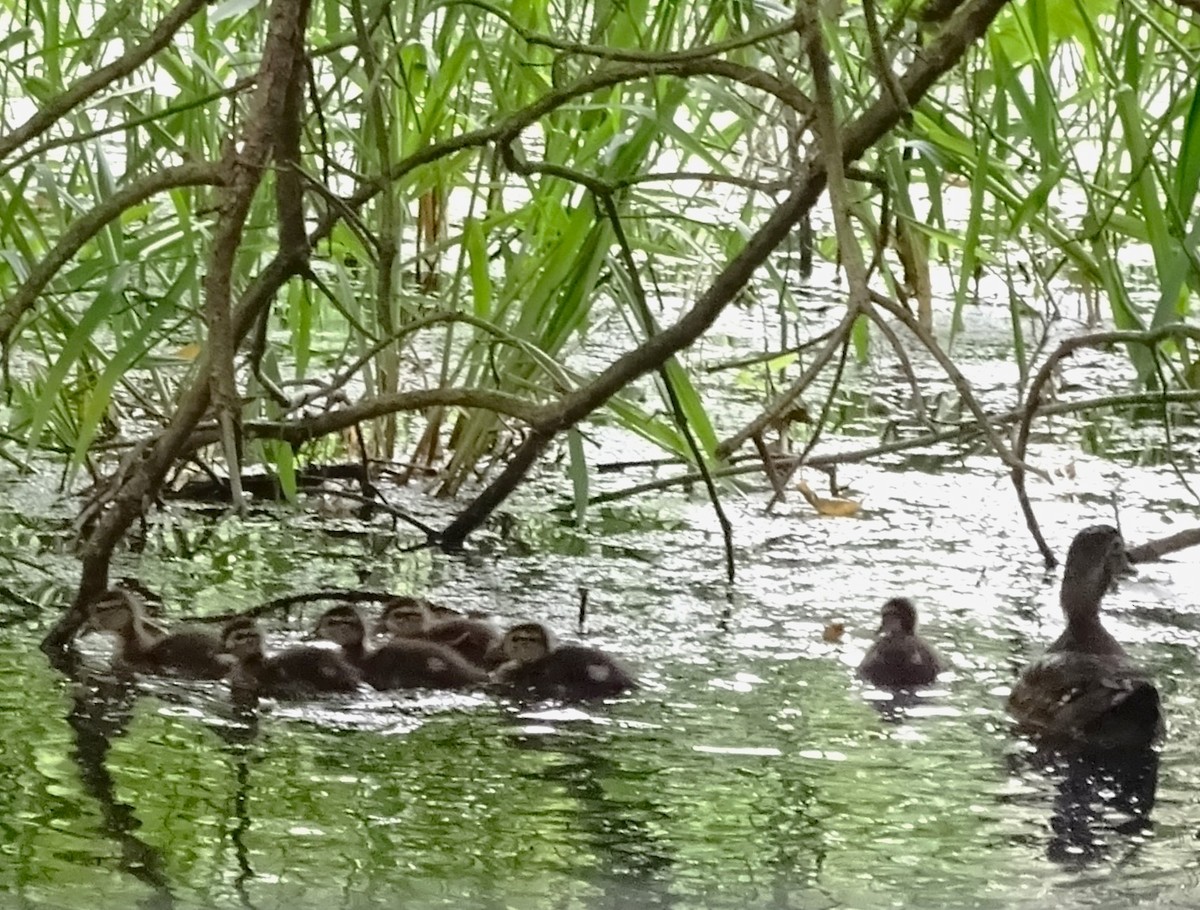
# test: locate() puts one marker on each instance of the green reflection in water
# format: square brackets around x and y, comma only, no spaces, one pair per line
[751,772]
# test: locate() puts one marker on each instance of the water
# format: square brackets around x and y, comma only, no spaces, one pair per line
[753,770]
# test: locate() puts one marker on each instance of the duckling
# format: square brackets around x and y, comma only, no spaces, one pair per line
[900,658]
[401,663]
[299,672]
[537,663]
[1085,691]
[145,647]
[476,640]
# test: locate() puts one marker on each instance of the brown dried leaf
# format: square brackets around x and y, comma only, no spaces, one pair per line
[833,632]
[833,508]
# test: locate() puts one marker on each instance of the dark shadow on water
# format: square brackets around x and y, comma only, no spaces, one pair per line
[1102,803]
[896,708]
[633,865]
[240,732]
[101,710]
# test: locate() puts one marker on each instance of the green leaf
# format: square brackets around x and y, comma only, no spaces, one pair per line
[579,474]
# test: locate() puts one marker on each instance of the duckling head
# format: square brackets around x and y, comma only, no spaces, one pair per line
[527,642]
[404,617]
[242,638]
[341,625]
[898,617]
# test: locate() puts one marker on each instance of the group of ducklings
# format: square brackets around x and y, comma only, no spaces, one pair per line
[1084,691]
[426,646]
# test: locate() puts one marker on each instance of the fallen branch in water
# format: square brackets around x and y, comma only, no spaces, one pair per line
[341,595]
[1033,397]
[1155,550]
[857,456]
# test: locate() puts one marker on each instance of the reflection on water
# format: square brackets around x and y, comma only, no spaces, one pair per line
[753,770]
[1101,797]
[101,710]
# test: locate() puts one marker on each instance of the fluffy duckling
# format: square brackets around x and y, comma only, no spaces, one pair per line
[476,640]
[144,647]
[1084,691]
[900,658]
[299,672]
[535,662]
[401,663]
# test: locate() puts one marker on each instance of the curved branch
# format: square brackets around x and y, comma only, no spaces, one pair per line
[961,384]
[283,44]
[132,123]
[306,429]
[954,434]
[600,51]
[1032,397]
[90,84]
[935,59]
[1155,550]
[510,127]
[86,227]
[784,403]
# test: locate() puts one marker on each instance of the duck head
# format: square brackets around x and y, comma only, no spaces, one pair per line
[114,611]
[1096,557]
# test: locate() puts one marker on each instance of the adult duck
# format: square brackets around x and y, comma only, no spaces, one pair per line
[1085,692]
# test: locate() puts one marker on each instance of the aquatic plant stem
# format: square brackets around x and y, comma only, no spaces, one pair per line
[849,251]
[961,384]
[786,401]
[946,48]
[664,375]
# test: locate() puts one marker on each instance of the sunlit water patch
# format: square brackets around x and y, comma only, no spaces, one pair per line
[751,770]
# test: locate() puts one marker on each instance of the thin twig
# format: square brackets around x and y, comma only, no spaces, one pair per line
[1033,396]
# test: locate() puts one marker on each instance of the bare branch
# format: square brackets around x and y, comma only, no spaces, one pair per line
[86,227]
[1033,397]
[49,112]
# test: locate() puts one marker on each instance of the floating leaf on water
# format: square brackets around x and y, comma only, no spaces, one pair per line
[834,508]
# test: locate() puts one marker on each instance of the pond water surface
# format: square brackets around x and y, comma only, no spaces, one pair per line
[752,770]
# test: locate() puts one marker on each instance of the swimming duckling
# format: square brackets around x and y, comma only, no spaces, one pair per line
[900,658]
[299,672]
[476,640]
[144,647]
[536,662]
[401,663]
[1084,691]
